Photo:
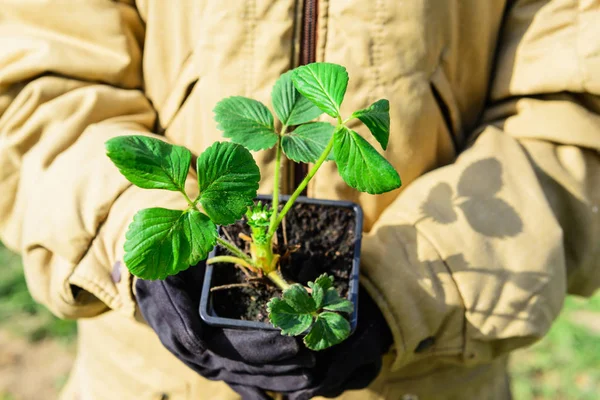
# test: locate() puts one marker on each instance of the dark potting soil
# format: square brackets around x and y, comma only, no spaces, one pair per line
[320,239]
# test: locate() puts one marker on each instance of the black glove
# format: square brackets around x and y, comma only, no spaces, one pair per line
[350,365]
[243,358]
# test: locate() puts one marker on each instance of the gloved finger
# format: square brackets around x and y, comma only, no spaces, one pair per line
[280,382]
[211,362]
[169,298]
[355,363]
[285,374]
[259,347]
[182,338]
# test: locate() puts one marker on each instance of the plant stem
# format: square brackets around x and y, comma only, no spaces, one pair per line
[233,249]
[301,187]
[276,179]
[230,259]
[187,198]
[278,280]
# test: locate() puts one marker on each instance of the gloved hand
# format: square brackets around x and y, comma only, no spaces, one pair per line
[350,365]
[354,363]
[244,359]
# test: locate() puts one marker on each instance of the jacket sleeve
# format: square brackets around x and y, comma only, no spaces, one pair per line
[70,78]
[474,259]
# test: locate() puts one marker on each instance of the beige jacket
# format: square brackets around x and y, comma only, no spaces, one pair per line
[495,115]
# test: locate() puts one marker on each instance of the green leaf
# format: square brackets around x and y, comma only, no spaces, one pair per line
[328,330]
[247,122]
[290,106]
[307,142]
[361,166]
[293,312]
[150,163]
[162,242]
[299,299]
[201,233]
[324,281]
[283,316]
[228,180]
[377,118]
[333,302]
[319,287]
[322,83]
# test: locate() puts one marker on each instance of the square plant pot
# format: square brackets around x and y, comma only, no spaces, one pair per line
[322,235]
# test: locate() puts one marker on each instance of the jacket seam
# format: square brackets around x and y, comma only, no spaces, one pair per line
[250,24]
[323,30]
[375,49]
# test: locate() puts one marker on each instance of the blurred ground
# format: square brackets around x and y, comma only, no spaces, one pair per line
[36,349]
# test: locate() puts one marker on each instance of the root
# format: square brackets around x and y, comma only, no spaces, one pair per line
[230,286]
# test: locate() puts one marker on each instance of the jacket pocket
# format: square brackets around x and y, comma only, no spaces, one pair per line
[442,93]
[182,87]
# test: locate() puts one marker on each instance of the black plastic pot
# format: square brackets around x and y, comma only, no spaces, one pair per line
[207,312]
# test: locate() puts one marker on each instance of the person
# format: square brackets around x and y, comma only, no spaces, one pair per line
[495,130]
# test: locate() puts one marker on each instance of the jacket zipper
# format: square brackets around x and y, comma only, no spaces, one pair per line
[308,39]
[309,32]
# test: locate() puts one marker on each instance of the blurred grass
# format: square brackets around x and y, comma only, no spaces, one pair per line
[19,313]
[563,366]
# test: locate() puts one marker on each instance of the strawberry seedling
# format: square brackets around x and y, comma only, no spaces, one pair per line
[162,242]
